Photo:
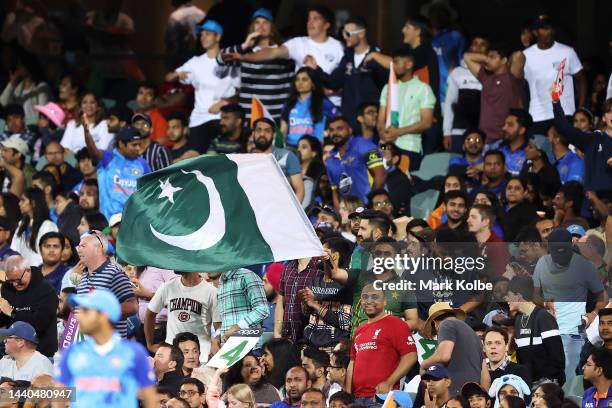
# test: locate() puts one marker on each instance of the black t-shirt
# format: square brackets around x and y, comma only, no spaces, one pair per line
[176,153]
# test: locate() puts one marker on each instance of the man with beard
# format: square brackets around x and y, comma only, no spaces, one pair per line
[457,203]
[64,309]
[232,134]
[514,141]
[381,335]
[352,162]
[263,136]
[470,164]
[155,154]
[177,134]
[297,381]
[271,281]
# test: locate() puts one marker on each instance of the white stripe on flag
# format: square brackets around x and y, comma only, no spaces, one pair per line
[280,217]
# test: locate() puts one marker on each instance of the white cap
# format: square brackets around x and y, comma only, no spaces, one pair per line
[114,220]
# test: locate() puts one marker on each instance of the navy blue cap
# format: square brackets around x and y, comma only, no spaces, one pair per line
[560,235]
[101,300]
[128,134]
[22,330]
[436,371]
[264,13]
[209,25]
[142,116]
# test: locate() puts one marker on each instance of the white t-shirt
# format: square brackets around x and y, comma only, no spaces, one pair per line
[36,365]
[541,68]
[74,136]
[22,244]
[327,54]
[209,87]
[190,309]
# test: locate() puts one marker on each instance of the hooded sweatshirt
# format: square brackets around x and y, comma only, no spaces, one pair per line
[37,305]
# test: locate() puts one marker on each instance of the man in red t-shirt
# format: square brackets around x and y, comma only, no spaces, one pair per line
[383,349]
[145,102]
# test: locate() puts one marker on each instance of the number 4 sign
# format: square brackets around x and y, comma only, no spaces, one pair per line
[236,347]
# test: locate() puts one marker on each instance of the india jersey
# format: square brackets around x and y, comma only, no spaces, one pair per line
[109,378]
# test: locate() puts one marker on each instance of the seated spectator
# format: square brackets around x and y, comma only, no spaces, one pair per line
[496,342]
[233,133]
[168,367]
[189,344]
[508,386]
[91,114]
[307,111]
[514,140]
[145,102]
[493,177]
[14,154]
[249,372]
[336,373]
[340,399]
[177,134]
[15,125]
[52,268]
[567,205]
[480,222]
[518,211]
[546,176]
[297,381]
[470,164]
[569,165]
[22,361]
[531,246]
[439,216]
[456,203]
[69,176]
[397,183]
[486,197]
[193,391]
[279,355]
[311,163]
[414,117]
[313,397]
[156,155]
[475,395]
[598,371]
[367,117]
[7,228]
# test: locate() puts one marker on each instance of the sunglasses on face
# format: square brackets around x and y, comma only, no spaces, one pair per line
[348,34]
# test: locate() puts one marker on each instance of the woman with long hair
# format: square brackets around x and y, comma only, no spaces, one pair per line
[9,207]
[249,372]
[74,135]
[33,225]
[310,154]
[279,355]
[307,110]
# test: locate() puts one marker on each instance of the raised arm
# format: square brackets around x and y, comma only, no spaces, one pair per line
[517,63]
[474,61]
[89,141]
[575,136]
[265,54]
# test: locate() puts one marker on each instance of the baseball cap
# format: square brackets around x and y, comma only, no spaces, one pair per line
[264,13]
[560,246]
[17,143]
[327,210]
[576,230]
[141,116]
[114,220]
[101,300]
[473,388]
[425,235]
[209,25]
[128,134]
[356,213]
[401,398]
[436,371]
[22,330]
[542,21]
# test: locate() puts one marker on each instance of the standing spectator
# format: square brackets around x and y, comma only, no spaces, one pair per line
[180,38]
[297,382]
[416,104]
[475,395]
[471,163]
[33,225]
[382,334]
[233,134]
[120,168]
[597,147]
[495,342]
[598,371]
[22,361]
[543,60]
[90,116]
[181,148]
[15,125]
[192,307]
[250,372]
[316,362]
[52,268]
[311,163]
[568,164]
[352,163]
[212,90]
[13,165]
[28,298]
[268,80]
[458,346]
[168,367]
[359,80]
[564,279]
[516,126]
[501,81]
[367,118]
[462,101]
[242,302]
[307,111]
[124,363]
[156,155]
[263,135]
[298,274]
[100,273]
[337,372]
[480,222]
[271,280]
[145,102]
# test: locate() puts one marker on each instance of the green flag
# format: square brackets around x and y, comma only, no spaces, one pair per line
[213,214]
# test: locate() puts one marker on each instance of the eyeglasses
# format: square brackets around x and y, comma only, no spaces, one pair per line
[374,297]
[12,338]
[189,393]
[16,281]
[475,139]
[95,234]
[383,203]
[347,34]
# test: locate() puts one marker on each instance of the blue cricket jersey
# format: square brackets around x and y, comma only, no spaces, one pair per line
[117,177]
[112,379]
[300,120]
[349,174]
[570,168]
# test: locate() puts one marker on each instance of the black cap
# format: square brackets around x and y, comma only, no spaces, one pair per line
[141,116]
[542,21]
[327,210]
[128,134]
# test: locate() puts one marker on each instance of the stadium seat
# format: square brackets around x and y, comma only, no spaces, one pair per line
[422,204]
[435,164]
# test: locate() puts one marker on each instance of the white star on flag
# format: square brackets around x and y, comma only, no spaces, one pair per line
[168,190]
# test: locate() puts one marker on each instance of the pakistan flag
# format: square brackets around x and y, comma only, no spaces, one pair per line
[214,214]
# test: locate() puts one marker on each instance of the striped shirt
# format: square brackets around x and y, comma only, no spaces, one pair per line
[157,156]
[241,300]
[270,81]
[109,276]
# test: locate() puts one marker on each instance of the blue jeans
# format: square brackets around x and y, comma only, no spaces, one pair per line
[369,402]
[572,345]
